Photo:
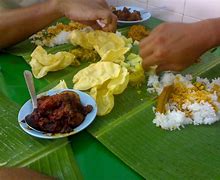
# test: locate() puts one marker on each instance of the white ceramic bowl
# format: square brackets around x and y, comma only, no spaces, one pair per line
[145,15]
[27,109]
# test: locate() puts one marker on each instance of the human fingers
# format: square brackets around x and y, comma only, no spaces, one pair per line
[147,46]
[146,53]
[93,24]
[149,61]
[101,19]
[146,41]
[112,26]
[146,50]
[104,15]
[109,24]
[169,67]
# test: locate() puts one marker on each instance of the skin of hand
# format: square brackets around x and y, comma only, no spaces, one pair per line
[21,174]
[18,24]
[88,12]
[175,46]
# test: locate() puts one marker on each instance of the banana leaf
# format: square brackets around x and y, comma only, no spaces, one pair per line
[25,48]
[129,133]
[53,158]
[154,153]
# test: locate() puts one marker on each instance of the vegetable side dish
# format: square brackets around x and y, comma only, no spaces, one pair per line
[127,15]
[138,32]
[116,66]
[59,113]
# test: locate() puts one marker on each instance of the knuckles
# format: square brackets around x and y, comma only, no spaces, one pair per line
[160,39]
[161,53]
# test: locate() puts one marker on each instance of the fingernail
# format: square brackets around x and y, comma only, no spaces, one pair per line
[100,23]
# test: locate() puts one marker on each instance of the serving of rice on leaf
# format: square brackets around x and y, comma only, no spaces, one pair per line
[57,34]
[182,100]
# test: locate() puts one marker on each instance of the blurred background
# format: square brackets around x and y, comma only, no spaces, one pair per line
[176,10]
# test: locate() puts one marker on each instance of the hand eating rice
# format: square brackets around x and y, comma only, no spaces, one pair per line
[93,13]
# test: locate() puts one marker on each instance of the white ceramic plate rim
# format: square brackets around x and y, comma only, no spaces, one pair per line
[85,100]
[144,14]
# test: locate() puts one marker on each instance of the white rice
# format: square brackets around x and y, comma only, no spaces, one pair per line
[200,112]
[172,120]
[203,113]
[61,38]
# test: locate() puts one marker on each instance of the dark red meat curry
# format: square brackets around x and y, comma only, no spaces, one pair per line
[127,15]
[59,113]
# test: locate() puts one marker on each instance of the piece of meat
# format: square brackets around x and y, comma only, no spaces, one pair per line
[59,113]
[127,15]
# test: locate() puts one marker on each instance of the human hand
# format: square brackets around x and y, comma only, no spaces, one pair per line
[89,12]
[175,46]
[22,174]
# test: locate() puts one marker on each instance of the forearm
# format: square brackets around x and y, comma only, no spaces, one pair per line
[206,34]
[215,24]
[18,24]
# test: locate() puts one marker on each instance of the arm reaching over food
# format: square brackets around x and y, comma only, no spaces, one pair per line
[18,24]
[22,173]
[175,46]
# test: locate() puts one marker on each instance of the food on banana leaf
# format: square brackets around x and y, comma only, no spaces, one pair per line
[102,80]
[57,34]
[95,75]
[109,46]
[136,73]
[61,85]
[183,101]
[59,113]
[42,62]
[85,55]
[138,32]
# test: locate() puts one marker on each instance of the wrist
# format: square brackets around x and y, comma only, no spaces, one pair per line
[205,34]
[213,31]
[215,24]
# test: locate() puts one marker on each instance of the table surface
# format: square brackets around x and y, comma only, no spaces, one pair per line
[94,160]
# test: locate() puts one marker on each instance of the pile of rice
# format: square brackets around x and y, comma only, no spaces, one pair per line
[57,35]
[190,101]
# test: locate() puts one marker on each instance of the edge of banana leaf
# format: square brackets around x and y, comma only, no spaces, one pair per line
[51,157]
[144,155]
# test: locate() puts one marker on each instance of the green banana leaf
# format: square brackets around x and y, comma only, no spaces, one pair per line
[53,158]
[129,133]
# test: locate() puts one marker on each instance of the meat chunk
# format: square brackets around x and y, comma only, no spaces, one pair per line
[126,15]
[59,113]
